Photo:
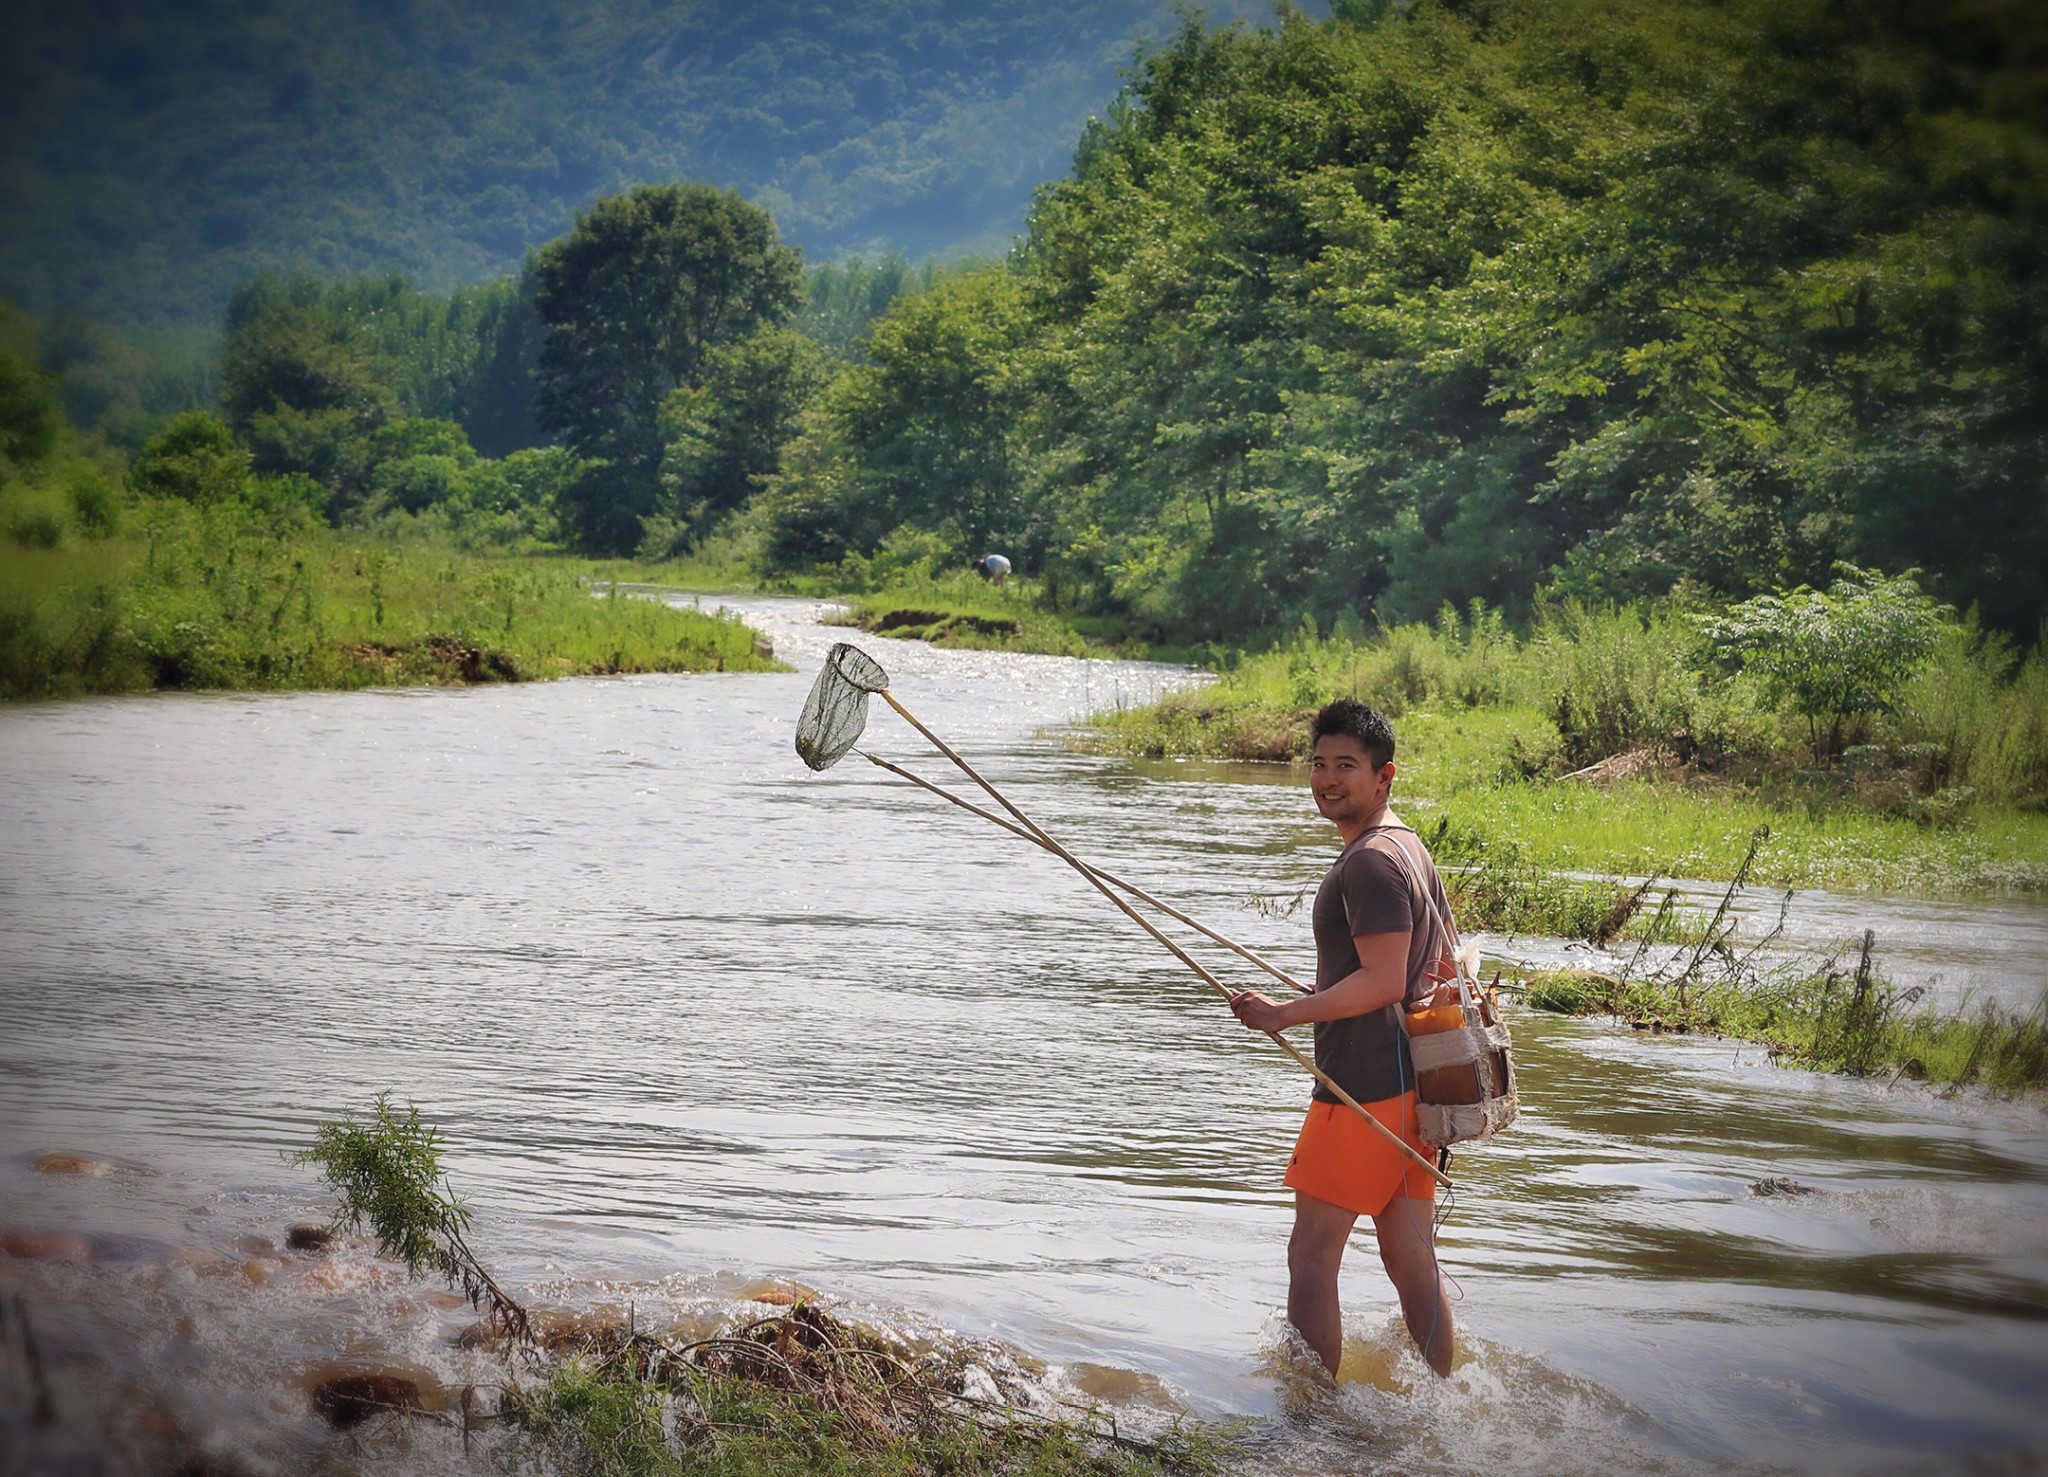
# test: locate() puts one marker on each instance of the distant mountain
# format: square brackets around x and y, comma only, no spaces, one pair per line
[153,155]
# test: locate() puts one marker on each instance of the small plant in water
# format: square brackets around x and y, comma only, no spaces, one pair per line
[387,1170]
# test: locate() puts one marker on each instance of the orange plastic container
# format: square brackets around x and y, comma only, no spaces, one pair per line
[1435,1018]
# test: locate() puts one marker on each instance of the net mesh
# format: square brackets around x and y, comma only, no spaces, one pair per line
[837,709]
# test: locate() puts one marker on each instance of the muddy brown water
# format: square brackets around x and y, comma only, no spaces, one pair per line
[696,1022]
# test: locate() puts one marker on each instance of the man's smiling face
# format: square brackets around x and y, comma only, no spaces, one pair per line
[1344,781]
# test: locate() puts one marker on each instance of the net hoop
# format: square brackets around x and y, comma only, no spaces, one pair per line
[837,710]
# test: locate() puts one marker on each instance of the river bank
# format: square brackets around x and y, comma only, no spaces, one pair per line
[235,598]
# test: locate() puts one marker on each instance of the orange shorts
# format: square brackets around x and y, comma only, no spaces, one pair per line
[1340,1159]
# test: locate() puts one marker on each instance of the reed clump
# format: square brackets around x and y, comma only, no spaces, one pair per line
[1830,1018]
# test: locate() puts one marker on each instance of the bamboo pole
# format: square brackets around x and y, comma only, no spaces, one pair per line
[1166,943]
[1111,878]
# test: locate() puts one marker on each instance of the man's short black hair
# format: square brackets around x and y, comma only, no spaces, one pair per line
[1368,725]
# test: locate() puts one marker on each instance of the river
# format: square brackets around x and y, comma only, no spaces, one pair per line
[692,1018]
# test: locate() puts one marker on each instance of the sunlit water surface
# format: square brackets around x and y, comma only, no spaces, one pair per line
[691,1017]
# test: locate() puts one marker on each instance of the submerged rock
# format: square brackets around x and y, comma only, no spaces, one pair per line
[72,1164]
[1768,1188]
[591,1335]
[46,1246]
[350,1399]
[777,1292]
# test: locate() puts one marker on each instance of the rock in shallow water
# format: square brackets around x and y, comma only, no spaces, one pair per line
[350,1399]
[46,1246]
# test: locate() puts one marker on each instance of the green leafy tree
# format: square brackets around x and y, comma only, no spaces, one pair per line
[196,458]
[305,388]
[635,300]
[1837,654]
[418,463]
[1441,301]
[930,426]
[723,438]
[31,421]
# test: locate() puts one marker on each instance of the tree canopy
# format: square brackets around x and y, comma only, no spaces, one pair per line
[636,301]
[1488,297]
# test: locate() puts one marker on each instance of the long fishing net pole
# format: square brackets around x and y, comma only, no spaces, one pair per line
[1111,878]
[833,718]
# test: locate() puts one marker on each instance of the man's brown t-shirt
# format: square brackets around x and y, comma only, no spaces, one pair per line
[1367,891]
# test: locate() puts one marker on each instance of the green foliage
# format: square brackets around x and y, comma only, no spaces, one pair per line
[120,386]
[253,593]
[606,1427]
[923,433]
[94,508]
[723,438]
[196,458]
[387,1170]
[636,299]
[31,421]
[351,356]
[1616,679]
[842,298]
[1432,303]
[1701,759]
[1837,654]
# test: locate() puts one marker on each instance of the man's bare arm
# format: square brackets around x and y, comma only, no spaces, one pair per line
[1380,980]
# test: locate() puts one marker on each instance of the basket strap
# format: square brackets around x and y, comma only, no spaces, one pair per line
[1419,890]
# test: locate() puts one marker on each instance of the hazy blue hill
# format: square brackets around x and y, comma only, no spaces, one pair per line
[152,155]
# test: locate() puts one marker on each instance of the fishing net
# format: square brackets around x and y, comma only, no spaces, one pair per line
[837,709]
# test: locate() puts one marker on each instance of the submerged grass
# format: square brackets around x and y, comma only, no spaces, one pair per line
[1831,1020]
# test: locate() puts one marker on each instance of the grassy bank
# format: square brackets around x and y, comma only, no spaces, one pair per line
[1596,745]
[964,612]
[234,596]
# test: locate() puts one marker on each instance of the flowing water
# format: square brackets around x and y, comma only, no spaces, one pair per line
[692,1018]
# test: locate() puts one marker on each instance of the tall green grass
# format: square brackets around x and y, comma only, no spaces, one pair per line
[1508,736]
[235,596]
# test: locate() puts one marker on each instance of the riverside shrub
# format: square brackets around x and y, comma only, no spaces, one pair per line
[1834,655]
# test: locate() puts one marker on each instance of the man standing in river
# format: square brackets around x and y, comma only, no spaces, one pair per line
[1376,945]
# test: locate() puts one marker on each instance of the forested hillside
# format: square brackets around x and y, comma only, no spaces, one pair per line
[1491,297]
[152,156]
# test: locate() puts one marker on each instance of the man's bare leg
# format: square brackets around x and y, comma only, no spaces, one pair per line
[1314,1252]
[1407,1236]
